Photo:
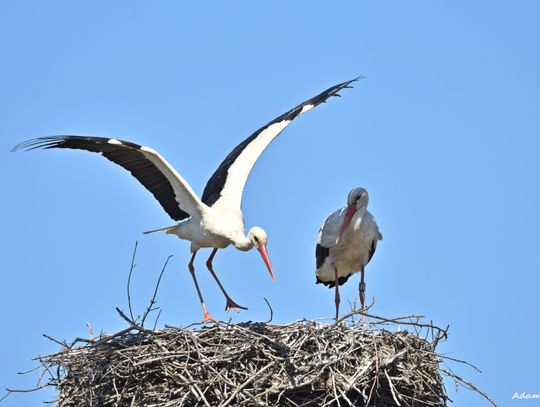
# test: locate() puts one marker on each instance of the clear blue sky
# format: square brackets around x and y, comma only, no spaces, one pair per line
[443,132]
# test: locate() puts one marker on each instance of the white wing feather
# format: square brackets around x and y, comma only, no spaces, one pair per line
[187,199]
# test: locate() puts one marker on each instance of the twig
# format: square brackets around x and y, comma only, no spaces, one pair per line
[62,344]
[459,361]
[243,385]
[391,385]
[399,320]
[469,385]
[156,321]
[29,371]
[271,311]
[132,266]
[153,300]
[90,331]
[27,390]
[390,320]
[126,318]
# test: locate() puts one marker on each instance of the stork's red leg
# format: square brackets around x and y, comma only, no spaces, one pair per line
[207,316]
[337,299]
[230,303]
[362,289]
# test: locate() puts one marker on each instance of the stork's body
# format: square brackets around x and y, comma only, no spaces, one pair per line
[215,220]
[347,241]
[212,228]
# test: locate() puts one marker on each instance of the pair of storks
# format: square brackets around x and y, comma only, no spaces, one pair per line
[347,239]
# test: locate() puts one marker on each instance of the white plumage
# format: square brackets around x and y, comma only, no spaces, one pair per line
[215,220]
[347,241]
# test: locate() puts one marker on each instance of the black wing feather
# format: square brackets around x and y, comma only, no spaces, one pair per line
[215,184]
[372,249]
[331,284]
[321,253]
[128,155]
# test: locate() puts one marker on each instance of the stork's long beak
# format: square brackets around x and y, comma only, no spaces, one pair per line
[264,254]
[351,210]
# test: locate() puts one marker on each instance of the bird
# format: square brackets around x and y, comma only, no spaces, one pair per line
[346,243]
[215,220]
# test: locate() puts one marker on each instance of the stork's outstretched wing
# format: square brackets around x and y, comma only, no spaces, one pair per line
[226,185]
[151,169]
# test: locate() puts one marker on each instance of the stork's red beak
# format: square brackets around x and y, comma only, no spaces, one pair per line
[351,210]
[264,254]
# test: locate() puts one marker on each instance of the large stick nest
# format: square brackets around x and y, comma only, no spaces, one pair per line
[304,363]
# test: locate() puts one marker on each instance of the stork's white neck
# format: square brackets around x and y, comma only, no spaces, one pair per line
[243,243]
[360,212]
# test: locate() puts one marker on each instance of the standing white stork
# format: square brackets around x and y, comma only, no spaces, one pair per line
[347,241]
[216,219]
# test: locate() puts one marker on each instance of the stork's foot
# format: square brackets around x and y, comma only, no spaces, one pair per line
[209,318]
[231,304]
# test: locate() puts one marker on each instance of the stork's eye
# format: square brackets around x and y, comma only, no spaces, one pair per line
[256,239]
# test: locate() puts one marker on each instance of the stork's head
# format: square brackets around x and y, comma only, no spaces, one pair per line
[358,198]
[259,238]
[357,201]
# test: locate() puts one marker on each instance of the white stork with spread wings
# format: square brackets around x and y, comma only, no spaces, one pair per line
[215,220]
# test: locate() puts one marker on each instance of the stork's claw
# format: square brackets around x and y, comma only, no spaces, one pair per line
[231,304]
[209,318]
